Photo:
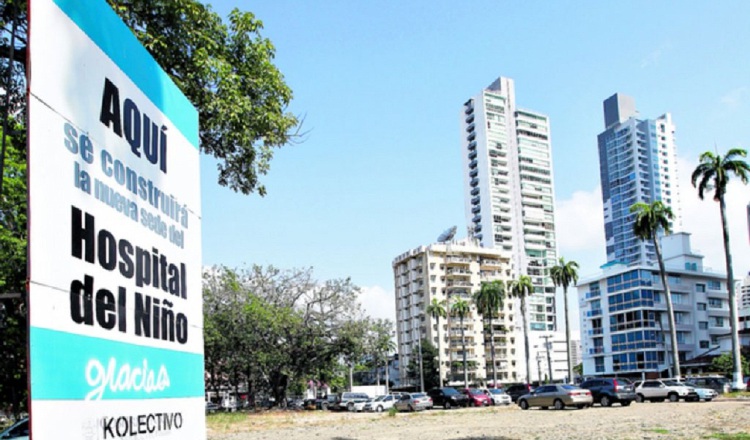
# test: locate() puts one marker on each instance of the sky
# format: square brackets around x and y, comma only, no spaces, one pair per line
[380,86]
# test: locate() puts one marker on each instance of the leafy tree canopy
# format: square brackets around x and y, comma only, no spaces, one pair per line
[225,68]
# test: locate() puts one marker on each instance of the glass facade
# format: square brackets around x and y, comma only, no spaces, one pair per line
[637,163]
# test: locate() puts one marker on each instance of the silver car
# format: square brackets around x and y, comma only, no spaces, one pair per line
[706,394]
[413,402]
[557,396]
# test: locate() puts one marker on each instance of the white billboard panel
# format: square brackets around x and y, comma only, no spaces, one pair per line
[116,323]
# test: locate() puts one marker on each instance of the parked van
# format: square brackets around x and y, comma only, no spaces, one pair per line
[346,400]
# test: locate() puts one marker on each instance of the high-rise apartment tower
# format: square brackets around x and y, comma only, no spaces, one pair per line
[637,163]
[509,192]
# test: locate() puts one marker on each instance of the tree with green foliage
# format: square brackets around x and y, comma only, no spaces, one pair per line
[13,240]
[522,288]
[272,330]
[724,364]
[436,309]
[382,345]
[649,220]
[462,308]
[563,275]
[713,173]
[489,300]
[430,365]
[225,68]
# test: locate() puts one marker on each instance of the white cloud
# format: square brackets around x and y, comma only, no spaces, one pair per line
[378,303]
[580,222]
[735,97]
[655,55]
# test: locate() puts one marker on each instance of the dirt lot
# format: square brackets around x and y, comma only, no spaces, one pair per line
[638,421]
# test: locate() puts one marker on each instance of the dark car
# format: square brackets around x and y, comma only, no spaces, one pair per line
[607,391]
[517,390]
[717,383]
[448,397]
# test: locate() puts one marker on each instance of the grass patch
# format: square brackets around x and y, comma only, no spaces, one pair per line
[738,394]
[735,436]
[659,431]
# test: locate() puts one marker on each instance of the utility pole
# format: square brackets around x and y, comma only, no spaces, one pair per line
[538,367]
[547,344]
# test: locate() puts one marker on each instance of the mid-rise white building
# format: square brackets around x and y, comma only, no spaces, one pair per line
[445,272]
[624,324]
[548,348]
[509,191]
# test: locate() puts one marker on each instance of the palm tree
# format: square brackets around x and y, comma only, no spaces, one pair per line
[462,308]
[521,289]
[565,274]
[714,172]
[648,220]
[489,299]
[436,309]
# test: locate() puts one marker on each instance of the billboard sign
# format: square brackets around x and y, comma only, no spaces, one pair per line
[115,308]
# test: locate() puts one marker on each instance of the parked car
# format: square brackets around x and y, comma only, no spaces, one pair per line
[558,396]
[346,400]
[212,407]
[448,397]
[517,390]
[323,402]
[413,402]
[706,394]
[476,397]
[381,403]
[497,396]
[360,406]
[659,390]
[720,384]
[17,431]
[607,391]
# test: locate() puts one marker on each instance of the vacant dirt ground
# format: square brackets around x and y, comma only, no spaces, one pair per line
[638,421]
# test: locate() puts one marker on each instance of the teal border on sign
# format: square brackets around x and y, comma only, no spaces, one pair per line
[114,38]
[59,362]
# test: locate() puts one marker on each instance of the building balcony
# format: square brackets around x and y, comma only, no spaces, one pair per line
[474,173]
[474,182]
[470,118]
[472,145]
[473,154]
[475,191]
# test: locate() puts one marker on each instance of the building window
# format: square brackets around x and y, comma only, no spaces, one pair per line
[703,325]
[714,285]
[716,321]
[673,279]
[704,344]
[715,303]
[701,306]
[700,288]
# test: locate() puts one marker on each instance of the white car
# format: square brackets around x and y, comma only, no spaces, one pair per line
[706,394]
[360,406]
[659,390]
[381,403]
[497,396]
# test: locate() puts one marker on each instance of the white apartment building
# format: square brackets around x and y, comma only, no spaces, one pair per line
[509,192]
[624,324]
[446,271]
[548,348]
[744,294]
